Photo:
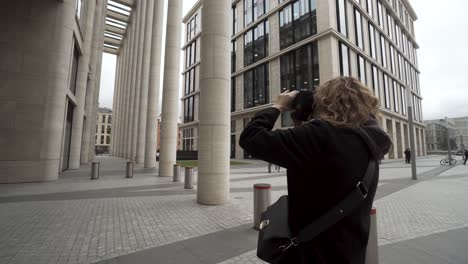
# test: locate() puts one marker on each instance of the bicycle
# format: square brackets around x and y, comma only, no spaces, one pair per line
[446,161]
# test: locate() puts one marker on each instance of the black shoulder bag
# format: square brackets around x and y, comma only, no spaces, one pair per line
[275,237]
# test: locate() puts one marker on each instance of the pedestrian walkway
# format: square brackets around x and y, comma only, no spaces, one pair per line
[149,219]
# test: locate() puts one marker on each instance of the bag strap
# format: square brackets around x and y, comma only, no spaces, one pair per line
[346,206]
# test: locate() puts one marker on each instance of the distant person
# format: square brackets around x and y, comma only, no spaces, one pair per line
[466,156]
[408,156]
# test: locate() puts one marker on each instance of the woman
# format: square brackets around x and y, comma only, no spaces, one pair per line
[325,159]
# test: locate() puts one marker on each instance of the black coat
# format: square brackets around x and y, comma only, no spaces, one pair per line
[324,163]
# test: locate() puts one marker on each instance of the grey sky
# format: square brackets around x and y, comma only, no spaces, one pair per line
[442,34]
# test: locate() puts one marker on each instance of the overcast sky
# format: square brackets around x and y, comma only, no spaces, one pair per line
[442,34]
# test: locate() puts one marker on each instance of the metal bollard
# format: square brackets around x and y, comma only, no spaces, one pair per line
[129,170]
[262,199]
[188,178]
[95,171]
[176,177]
[372,253]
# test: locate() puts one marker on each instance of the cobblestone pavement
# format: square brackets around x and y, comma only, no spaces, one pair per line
[84,224]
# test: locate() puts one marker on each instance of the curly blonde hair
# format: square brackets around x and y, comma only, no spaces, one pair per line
[345,102]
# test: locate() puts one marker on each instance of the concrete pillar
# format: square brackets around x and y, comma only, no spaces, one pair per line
[117,122]
[170,101]
[33,87]
[123,89]
[114,106]
[98,79]
[129,99]
[147,24]
[214,127]
[154,85]
[140,20]
[90,121]
[81,86]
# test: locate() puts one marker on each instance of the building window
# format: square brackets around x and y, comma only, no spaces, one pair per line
[103,118]
[74,69]
[191,54]
[234,20]
[375,80]
[108,140]
[395,96]
[233,94]
[189,109]
[392,59]
[390,28]
[358,29]
[386,91]
[362,70]
[345,67]
[380,13]
[383,50]
[192,29]
[256,43]
[109,119]
[299,71]
[370,9]
[253,9]
[190,81]
[103,129]
[109,130]
[298,21]
[187,139]
[233,55]
[79,8]
[256,86]
[102,140]
[342,17]
[372,41]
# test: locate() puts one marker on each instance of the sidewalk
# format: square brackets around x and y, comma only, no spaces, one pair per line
[148,219]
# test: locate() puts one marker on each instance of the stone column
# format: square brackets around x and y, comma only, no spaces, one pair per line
[90,121]
[98,78]
[123,91]
[170,101]
[147,25]
[141,11]
[33,87]
[129,87]
[115,107]
[81,86]
[215,115]
[154,84]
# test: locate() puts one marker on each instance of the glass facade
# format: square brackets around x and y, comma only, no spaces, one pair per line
[342,17]
[345,67]
[362,70]
[358,28]
[189,109]
[256,43]
[256,86]
[373,52]
[298,21]
[254,9]
[74,69]
[299,71]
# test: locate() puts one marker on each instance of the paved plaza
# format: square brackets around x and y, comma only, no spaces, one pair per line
[150,219]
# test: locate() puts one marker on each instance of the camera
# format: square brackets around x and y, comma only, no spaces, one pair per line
[302,106]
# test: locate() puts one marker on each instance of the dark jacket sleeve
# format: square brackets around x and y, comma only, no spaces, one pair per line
[285,148]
